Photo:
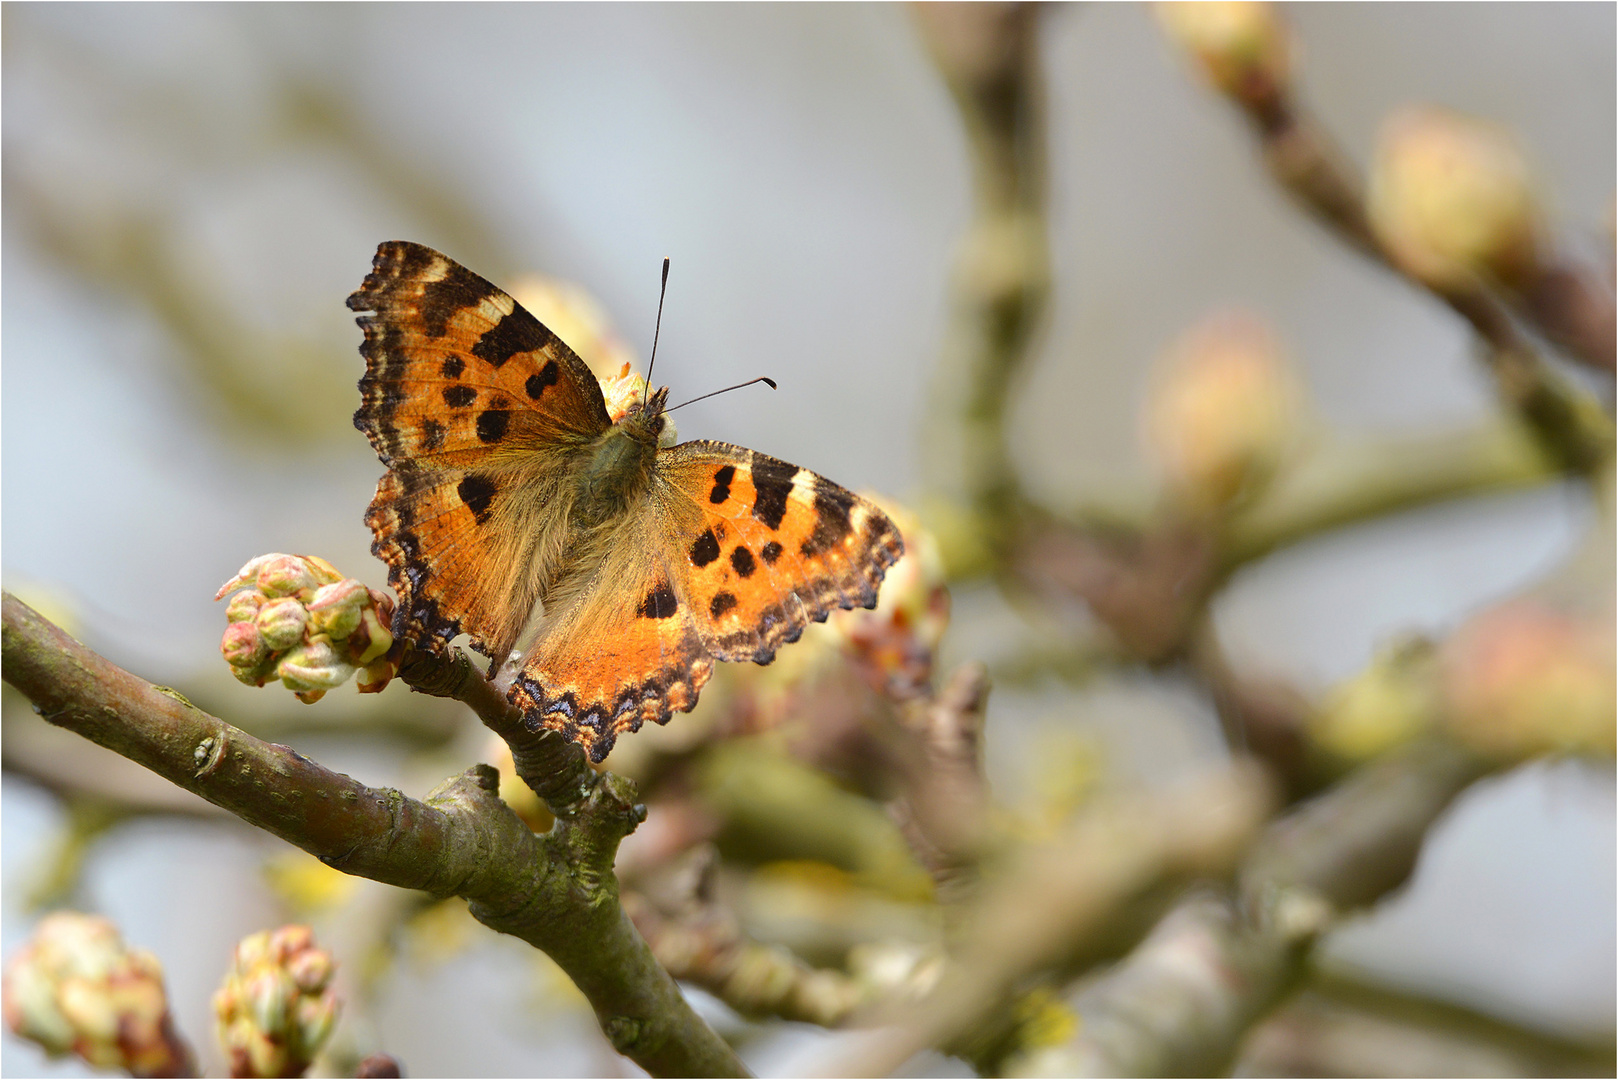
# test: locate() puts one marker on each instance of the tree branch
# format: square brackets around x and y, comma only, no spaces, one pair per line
[556,892]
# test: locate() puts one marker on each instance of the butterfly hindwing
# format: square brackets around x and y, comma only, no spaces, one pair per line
[624,652]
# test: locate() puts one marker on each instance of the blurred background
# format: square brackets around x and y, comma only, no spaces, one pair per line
[191,191]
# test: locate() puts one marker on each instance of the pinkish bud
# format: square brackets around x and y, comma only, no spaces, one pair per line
[1524,678]
[1223,410]
[243,646]
[284,575]
[281,623]
[76,987]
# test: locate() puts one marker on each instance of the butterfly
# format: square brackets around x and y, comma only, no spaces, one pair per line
[610,572]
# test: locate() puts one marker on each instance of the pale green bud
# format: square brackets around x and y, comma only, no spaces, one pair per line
[314,665]
[281,623]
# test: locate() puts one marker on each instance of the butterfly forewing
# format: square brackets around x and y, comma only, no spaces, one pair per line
[770,549]
[474,405]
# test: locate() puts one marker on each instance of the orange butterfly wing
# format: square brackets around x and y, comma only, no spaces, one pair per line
[473,405]
[733,554]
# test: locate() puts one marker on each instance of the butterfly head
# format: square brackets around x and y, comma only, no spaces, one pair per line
[646,423]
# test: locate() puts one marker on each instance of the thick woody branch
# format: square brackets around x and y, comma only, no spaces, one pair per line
[556,892]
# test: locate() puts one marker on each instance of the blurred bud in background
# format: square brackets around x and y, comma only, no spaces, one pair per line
[893,644]
[1394,700]
[1451,200]
[295,618]
[574,316]
[1222,412]
[75,987]
[1244,49]
[276,1009]
[1524,678]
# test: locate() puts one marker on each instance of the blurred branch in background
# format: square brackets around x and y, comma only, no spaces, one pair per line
[989,58]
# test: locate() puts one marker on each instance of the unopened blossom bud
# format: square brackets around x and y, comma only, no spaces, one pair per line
[335,609]
[1524,679]
[1395,699]
[243,646]
[314,665]
[1243,48]
[276,1008]
[77,988]
[281,623]
[305,624]
[244,606]
[1223,411]
[1451,200]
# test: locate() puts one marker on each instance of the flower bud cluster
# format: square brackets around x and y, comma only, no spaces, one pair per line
[276,1008]
[77,988]
[1223,411]
[295,618]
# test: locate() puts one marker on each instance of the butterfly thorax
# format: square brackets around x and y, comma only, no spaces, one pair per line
[617,468]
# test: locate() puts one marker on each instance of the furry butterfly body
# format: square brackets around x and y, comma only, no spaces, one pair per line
[517,511]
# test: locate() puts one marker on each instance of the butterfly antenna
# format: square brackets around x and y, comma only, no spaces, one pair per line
[658,329]
[762,378]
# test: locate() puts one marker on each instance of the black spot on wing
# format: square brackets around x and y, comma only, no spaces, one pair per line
[832,506]
[545,377]
[742,561]
[492,424]
[477,492]
[772,481]
[705,550]
[515,333]
[721,484]
[722,602]
[770,552]
[453,366]
[458,396]
[659,603]
[457,290]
